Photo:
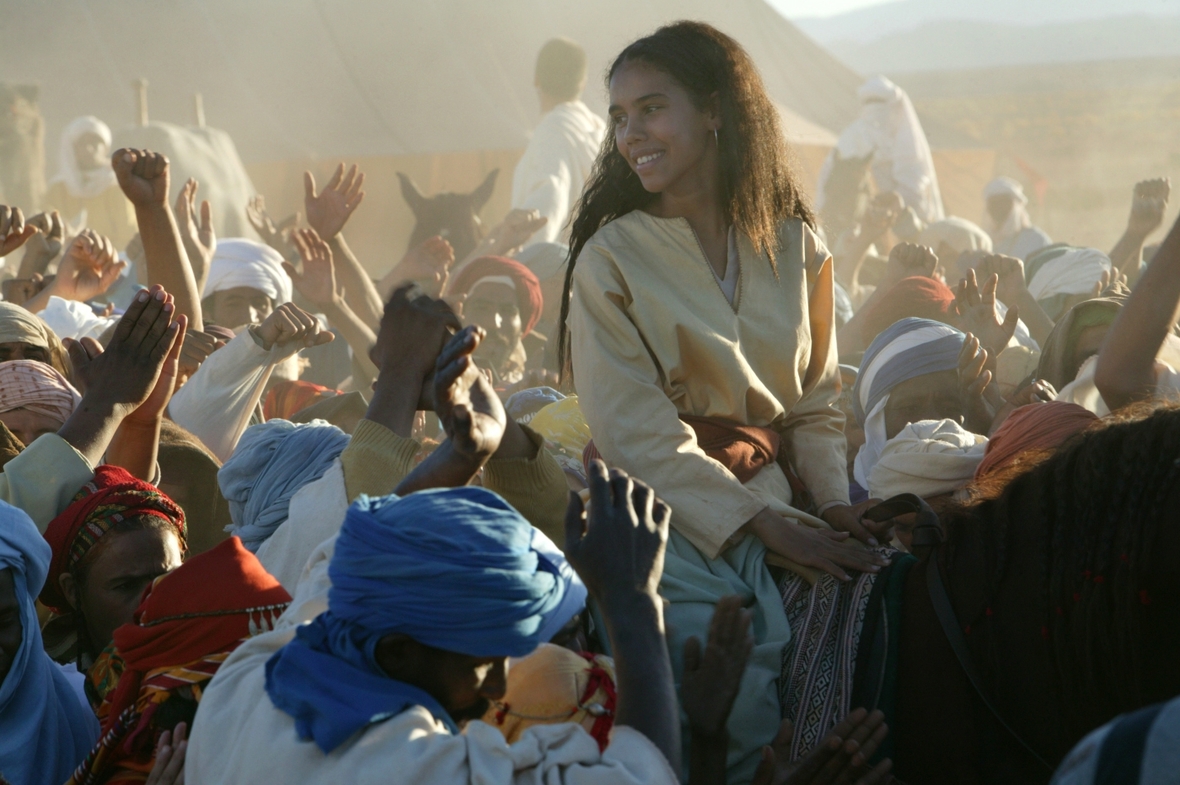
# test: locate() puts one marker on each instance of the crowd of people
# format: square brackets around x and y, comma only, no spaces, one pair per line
[661,482]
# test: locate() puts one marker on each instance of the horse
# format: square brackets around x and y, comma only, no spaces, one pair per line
[455,217]
[848,190]
[1067,590]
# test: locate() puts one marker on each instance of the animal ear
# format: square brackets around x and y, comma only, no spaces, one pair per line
[480,196]
[411,194]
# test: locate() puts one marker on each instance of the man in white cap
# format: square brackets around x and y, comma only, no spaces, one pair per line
[1011,227]
[246,283]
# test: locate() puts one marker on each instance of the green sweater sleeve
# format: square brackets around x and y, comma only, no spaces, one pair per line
[535,486]
[377,459]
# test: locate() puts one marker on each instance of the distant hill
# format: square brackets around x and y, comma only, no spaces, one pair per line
[955,44]
[874,22]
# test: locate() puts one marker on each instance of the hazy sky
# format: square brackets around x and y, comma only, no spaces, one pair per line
[803,8]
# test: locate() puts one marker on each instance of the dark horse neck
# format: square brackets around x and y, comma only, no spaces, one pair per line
[942,731]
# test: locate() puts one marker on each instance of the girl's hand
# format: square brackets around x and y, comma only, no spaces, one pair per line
[817,548]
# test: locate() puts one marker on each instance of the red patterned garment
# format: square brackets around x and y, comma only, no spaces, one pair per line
[187,624]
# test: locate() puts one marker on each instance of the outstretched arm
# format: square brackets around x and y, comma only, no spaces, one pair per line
[327,213]
[1149,200]
[1126,370]
[618,550]
[143,176]
[122,377]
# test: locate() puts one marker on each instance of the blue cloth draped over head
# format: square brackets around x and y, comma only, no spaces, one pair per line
[271,462]
[45,731]
[456,569]
[907,349]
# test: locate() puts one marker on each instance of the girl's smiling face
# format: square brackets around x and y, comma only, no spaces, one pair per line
[659,130]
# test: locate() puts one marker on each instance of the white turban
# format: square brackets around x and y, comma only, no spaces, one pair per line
[241,262]
[927,458]
[1073,272]
[91,183]
[1017,219]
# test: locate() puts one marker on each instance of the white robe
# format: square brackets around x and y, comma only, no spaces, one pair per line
[239,736]
[550,176]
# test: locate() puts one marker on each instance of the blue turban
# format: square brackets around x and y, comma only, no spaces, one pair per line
[45,730]
[909,348]
[271,462]
[456,569]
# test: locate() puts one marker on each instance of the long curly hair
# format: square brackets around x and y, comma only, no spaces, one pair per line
[1104,498]
[759,187]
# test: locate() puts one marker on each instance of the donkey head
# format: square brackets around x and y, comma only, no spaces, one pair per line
[453,216]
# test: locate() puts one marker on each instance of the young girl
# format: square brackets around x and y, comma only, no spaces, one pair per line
[700,317]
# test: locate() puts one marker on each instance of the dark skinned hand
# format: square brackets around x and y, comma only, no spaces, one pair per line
[143,176]
[124,375]
[413,331]
[976,306]
[712,678]
[617,547]
[465,401]
[291,328]
[981,399]
[840,759]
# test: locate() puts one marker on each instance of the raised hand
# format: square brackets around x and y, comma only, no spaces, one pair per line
[196,349]
[511,233]
[907,260]
[618,546]
[122,377]
[1149,201]
[274,235]
[44,246]
[200,240]
[143,176]
[982,400]
[427,264]
[1009,272]
[414,329]
[88,268]
[712,677]
[291,328]
[976,307]
[14,232]
[881,214]
[840,759]
[152,409]
[317,282]
[330,210]
[465,401]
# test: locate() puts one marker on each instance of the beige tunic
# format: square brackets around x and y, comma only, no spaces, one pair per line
[654,337]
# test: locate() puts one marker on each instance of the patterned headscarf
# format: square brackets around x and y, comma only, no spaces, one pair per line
[111,497]
[40,388]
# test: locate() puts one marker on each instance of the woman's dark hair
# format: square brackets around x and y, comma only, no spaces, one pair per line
[759,189]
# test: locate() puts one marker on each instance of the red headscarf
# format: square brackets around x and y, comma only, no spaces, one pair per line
[1038,426]
[205,607]
[918,296]
[111,497]
[528,287]
[286,399]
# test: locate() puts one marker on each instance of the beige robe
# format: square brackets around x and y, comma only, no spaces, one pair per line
[653,337]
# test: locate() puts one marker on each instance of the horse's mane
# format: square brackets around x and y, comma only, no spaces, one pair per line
[1102,502]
